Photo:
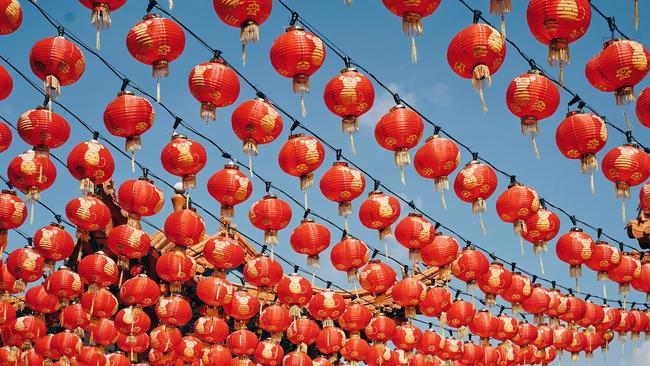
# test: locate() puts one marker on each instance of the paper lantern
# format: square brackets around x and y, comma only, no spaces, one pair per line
[349,255]
[436,160]
[58,62]
[379,211]
[412,14]
[91,163]
[12,16]
[310,238]
[626,166]
[215,85]
[270,214]
[399,131]
[229,187]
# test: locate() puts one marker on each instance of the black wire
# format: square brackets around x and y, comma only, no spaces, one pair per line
[607,19]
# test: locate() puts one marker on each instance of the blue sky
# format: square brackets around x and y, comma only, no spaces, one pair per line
[373,37]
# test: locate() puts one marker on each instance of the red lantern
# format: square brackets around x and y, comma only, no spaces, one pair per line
[129,116]
[58,62]
[414,233]
[184,158]
[91,163]
[476,53]
[484,325]
[101,14]
[8,313]
[295,291]
[298,54]
[494,282]
[472,353]
[349,255]
[43,129]
[66,344]
[140,197]
[53,243]
[474,184]
[268,353]
[176,267]
[557,306]
[575,248]
[603,259]
[243,306]
[508,327]
[310,238]
[211,329]
[562,337]
[275,319]
[399,131]
[436,160]
[440,253]
[641,322]
[576,309]
[532,97]
[355,318]
[102,333]
[13,213]
[217,354]
[644,198]
[140,291]
[156,41]
[30,328]
[270,214]
[263,271]
[408,293]
[557,24]
[642,107]
[98,270]
[642,283]
[541,227]
[184,227]
[31,173]
[5,131]
[577,345]
[229,187]
[544,337]
[128,242]
[300,156]
[164,338]
[537,303]
[436,302]
[132,320]
[355,350]
[25,264]
[256,122]
[100,303]
[626,166]
[224,252]
[453,350]
[215,85]
[516,204]
[377,277]
[8,283]
[379,211]
[75,318]
[406,336]
[303,332]
[412,14]
[520,289]
[91,356]
[431,343]
[628,269]
[349,95]
[618,68]
[174,310]
[594,315]
[627,322]
[39,300]
[330,340]
[342,184]
[247,15]
[297,358]
[12,16]
[380,328]
[326,306]
[460,315]
[215,291]
[469,266]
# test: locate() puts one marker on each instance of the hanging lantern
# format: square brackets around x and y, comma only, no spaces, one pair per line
[91,163]
[641,322]
[8,284]
[412,14]
[174,310]
[544,337]
[532,97]
[29,328]
[184,158]
[642,283]
[431,344]
[216,354]
[298,54]
[139,291]
[270,214]
[476,53]
[408,293]
[43,129]
[604,258]
[472,353]
[156,41]
[576,310]
[399,131]
[31,173]
[215,292]
[8,313]
[256,122]
[436,160]
[98,270]
[215,85]
[441,252]
[224,252]
[475,183]
[100,303]
[175,267]
[310,238]
[101,14]
[58,62]
[139,197]
[625,325]
[541,227]
[53,243]
[508,327]
[494,282]
[330,340]
[349,255]
[269,353]
[355,318]
[39,300]
[618,68]
[377,277]
[628,269]
[13,213]
[211,329]
[5,135]
[246,15]
[74,318]
[229,187]
[406,337]
[460,315]
[644,197]
[593,316]
[326,306]
[295,291]
[379,211]
[520,289]
[129,116]
[12,16]
[557,306]
[437,301]
[164,338]
[302,332]
[516,204]
[243,306]
[562,338]
[642,107]
[342,184]
[67,344]
[300,156]
[626,166]
[263,272]
[484,325]
[380,328]
[469,266]
[557,24]
[537,303]
[349,95]
[128,242]
[355,350]
[184,227]
[453,350]
[414,233]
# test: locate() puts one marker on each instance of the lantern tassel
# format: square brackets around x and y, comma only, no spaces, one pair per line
[605,290]
[31,212]
[347,2]
[313,261]
[535,147]
[52,88]
[352,146]
[345,223]
[98,44]
[158,91]
[541,263]
[636,14]
[623,214]
[386,251]
[171,4]
[401,175]
[303,110]
[521,246]
[414,51]
[561,75]
[442,198]
[591,182]
[480,220]
[243,54]
[250,164]
[304,192]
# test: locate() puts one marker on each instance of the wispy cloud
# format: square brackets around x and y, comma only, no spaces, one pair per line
[642,357]
[383,103]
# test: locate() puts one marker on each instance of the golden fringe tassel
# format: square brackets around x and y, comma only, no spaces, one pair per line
[347,2]
[541,263]
[98,43]
[352,146]
[636,14]
[503,26]
[480,77]
[521,246]
[561,75]
[480,220]
[171,4]
[535,147]
[414,51]
[303,109]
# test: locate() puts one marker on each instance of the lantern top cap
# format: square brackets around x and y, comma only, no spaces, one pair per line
[151,16]
[124,92]
[296,135]
[294,27]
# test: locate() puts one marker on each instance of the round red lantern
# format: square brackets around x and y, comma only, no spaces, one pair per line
[101,14]
[412,14]
[431,343]
[100,303]
[246,15]
[183,158]
[406,336]
[31,173]
[129,116]
[575,248]
[644,198]
[414,233]
[176,267]
[476,53]
[132,321]
[436,160]
[184,227]
[91,163]
[215,85]
[25,264]
[440,253]
[626,166]
[43,129]
[140,291]
[39,300]
[164,338]
[12,16]
[156,41]
[30,328]
[88,213]
[532,97]
[298,54]
[474,184]
[270,214]
[541,227]
[508,327]
[377,277]
[618,68]
[460,315]
[576,309]
[269,353]
[66,344]
[349,255]
[494,282]
[342,184]
[379,211]
[128,243]
[469,266]
[642,107]
[557,24]
[13,213]
[224,252]
[243,306]
[472,353]
[310,238]
[355,350]
[295,291]
[642,283]
[300,156]
[330,340]
[399,131]
[408,293]
[557,306]
[53,243]
[453,350]
[355,318]
[275,319]
[262,271]
[58,62]
[593,316]
[436,302]
[302,332]
[537,303]
[628,269]
[98,270]
[349,95]
[520,288]
[326,306]
[174,310]
[603,259]
[484,325]
[140,197]
[5,132]
[215,291]
[577,345]
[211,329]
[229,187]
[8,313]
[516,204]
[256,122]
[380,328]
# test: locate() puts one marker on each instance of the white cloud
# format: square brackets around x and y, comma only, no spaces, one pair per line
[642,357]
[383,103]
[438,95]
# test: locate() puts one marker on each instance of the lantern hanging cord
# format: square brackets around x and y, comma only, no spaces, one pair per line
[611,22]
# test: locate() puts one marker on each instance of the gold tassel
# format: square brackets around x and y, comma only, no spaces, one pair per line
[521,245]
[305,196]
[352,146]
[541,263]
[97,40]
[561,77]
[133,161]
[347,2]
[386,249]
[636,14]
[401,175]
[480,220]
[442,198]
[414,51]
[535,147]
[31,212]
[171,4]
[627,121]
[623,210]
[158,91]
[591,179]
[605,290]
[303,110]
[503,26]
[483,105]
[243,54]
